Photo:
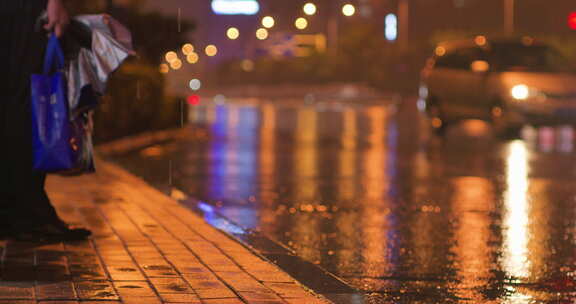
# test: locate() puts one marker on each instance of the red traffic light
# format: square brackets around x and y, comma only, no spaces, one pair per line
[193,100]
[572,20]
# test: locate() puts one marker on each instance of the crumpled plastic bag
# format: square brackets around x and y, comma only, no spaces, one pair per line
[89,69]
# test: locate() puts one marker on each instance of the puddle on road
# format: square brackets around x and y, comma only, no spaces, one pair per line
[361,192]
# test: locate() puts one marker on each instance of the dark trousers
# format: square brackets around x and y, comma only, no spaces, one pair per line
[23,200]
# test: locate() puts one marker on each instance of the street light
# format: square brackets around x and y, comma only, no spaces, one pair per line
[187,49]
[301,23]
[233,33]
[192,58]
[195,84]
[268,22]
[309,9]
[262,33]
[211,50]
[171,56]
[348,10]
[176,64]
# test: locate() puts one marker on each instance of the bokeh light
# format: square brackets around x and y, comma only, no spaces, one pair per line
[262,33]
[233,33]
[219,99]
[440,51]
[348,10]
[192,58]
[171,56]
[572,20]
[480,40]
[164,68]
[247,65]
[176,64]
[193,100]
[301,23]
[309,9]
[211,50]
[520,92]
[195,84]
[268,22]
[391,27]
[187,49]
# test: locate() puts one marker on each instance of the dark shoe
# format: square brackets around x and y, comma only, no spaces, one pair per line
[50,232]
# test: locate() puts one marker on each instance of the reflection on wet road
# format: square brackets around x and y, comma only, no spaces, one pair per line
[363,191]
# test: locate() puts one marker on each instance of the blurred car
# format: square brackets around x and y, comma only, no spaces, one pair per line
[507,82]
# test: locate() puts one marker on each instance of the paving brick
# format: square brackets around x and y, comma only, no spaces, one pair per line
[87,271]
[16,290]
[285,290]
[52,273]
[146,249]
[100,302]
[215,293]
[95,290]
[257,296]
[141,300]
[272,276]
[208,284]
[170,285]
[222,301]
[134,289]
[125,272]
[180,298]
[55,291]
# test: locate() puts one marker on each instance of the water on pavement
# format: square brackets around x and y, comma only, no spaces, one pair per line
[364,191]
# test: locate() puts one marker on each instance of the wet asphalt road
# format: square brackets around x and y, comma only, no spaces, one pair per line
[364,191]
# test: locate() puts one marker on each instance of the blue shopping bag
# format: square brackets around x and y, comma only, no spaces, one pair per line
[51,127]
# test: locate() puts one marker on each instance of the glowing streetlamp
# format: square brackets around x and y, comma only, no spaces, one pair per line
[171,56]
[233,33]
[176,64]
[262,33]
[211,50]
[301,23]
[268,22]
[309,9]
[348,10]
[187,49]
[195,84]
[192,58]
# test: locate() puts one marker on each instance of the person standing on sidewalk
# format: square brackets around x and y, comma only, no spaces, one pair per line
[25,209]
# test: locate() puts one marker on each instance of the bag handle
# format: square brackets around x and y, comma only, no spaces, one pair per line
[54,55]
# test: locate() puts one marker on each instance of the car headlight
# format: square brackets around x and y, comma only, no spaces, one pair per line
[520,92]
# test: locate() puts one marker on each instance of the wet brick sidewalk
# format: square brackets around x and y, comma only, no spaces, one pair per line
[146,249]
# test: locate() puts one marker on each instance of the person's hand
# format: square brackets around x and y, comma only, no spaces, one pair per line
[58,17]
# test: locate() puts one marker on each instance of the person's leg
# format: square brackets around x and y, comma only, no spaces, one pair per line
[25,200]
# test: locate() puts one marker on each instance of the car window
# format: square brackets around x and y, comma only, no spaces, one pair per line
[460,58]
[518,57]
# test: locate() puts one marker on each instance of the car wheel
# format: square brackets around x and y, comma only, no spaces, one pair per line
[502,125]
[438,122]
